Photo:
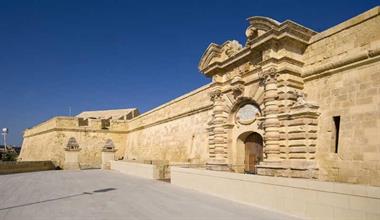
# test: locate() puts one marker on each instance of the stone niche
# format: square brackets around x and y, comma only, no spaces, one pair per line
[258,88]
[72,155]
[108,154]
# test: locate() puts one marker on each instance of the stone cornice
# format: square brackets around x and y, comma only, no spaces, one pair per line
[78,129]
[165,120]
[192,93]
[216,67]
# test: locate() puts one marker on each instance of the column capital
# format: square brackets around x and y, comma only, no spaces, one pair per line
[215,94]
[269,76]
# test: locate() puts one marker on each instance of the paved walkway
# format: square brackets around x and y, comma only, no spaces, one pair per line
[98,194]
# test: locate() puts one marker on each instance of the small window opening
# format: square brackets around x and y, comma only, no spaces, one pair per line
[337,127]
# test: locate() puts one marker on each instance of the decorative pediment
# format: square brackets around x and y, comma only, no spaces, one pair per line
[259,25]
[218,53]
[262,34]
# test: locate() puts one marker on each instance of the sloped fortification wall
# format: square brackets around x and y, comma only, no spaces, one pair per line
[48,140]
[343,77]
[175,131]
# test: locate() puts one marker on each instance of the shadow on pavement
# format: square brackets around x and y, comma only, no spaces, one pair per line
[60,198]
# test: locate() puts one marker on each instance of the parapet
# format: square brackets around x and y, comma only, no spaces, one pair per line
[95,121]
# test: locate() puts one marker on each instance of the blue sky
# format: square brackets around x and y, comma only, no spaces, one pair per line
[119,54]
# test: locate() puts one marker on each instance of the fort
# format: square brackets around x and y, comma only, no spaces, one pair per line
[288,102]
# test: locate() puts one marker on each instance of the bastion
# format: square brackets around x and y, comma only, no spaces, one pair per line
[288,102]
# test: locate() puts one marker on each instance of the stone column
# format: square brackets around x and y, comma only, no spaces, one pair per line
[217,134]
[271,110]
[108,154]
[72,155]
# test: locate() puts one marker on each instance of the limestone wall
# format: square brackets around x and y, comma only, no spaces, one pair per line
[42,147]
[354,95]
[48,140]
[346,86]
[344,41]
[175,131]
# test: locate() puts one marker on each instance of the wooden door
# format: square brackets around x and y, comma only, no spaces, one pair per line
[253,152]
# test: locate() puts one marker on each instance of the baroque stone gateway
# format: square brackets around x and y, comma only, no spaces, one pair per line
[288,102]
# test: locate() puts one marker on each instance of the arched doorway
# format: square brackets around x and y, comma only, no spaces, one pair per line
[253,152]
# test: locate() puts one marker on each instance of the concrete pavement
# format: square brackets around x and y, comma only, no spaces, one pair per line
[99,194]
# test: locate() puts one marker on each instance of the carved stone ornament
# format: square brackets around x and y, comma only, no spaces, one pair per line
[258,26]
[218,53]
[230,48]
[109,146]
[247,114]
[269,76]
[237,91]
[303,103]
[72,145]
[237,87]
[215,95]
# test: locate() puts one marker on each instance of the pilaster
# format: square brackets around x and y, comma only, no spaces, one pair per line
[218,152]
[271,122]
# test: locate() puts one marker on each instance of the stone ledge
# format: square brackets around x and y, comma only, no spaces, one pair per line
[298,197]
[340,188]
[140,169]
[25,166]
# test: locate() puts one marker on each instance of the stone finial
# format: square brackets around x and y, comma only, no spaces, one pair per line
[109,146]
[72,145]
